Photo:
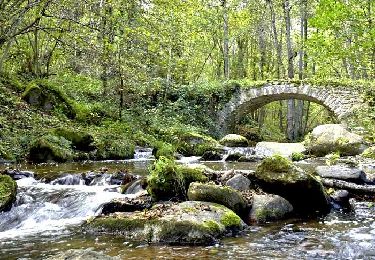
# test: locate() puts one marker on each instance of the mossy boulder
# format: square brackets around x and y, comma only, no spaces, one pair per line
[325,139]
[43,95]
[223,195]
[80,140]
[113,147]
[278,175]
[233,140]
[192,143]
[369,153]
[269,207]
[50,148]
[8,192]
[186,223]
[169,180]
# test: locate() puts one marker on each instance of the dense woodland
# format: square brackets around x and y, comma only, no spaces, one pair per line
[148,69]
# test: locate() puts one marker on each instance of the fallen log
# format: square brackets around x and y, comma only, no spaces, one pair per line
[351,187]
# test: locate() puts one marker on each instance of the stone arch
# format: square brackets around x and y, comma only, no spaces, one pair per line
[339,101]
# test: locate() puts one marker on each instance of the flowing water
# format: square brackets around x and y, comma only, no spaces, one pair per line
[45,222]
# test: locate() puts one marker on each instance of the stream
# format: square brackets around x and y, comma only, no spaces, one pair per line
[45,221]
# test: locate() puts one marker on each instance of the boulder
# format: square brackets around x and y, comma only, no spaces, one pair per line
[283,149]
[168,180]
[342,172]
[50,148]
[233,140]
[223,195]
[278,175]
[16,174]
[127,205]
[80,140]
[186,223]
[8,192]
[269,207]
[212,156]
[340,200]
[326,139]
[238,182]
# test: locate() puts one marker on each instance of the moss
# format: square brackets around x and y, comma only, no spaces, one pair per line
[8,190]
[192,143]
[50,148]
[116,224]
[230,219]
[168,180]
[369,153]
[276,163]
[296,156]
[212,226]
[80,139]
[223,195]
[233,140]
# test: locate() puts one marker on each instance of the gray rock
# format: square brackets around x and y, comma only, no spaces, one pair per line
[223,195]
[269,207]
[342,172]
[239,182]
[186,223]
[284,149]
[329,138]
[340,200]
[278,175]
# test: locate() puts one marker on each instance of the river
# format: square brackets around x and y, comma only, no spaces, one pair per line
[45,222]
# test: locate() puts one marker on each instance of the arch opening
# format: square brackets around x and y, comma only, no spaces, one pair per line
[278,120]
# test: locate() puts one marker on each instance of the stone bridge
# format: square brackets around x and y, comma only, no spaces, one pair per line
[341,101]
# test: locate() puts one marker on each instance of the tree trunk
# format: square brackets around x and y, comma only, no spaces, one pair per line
[290,120]
[298,118]
[289,39]
[276,43]
[226,39]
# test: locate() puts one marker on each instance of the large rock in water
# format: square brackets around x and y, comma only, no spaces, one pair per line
[269,207]
[8,192]
[233,140]
[342,172]
[284,149]
[186,223]
[278,175]
[326,139]
[239,182]
[218,194]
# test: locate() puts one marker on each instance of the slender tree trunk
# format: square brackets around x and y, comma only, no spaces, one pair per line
[262,49]
[281,126]
[276,43]
[290,120]
[226,38]
[289,39]
[298,118]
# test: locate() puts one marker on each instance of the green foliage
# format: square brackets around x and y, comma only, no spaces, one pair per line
[331,159]
[168,180]
[369,153]
[297,156]
[8,190]
[162,149]
[80,139]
